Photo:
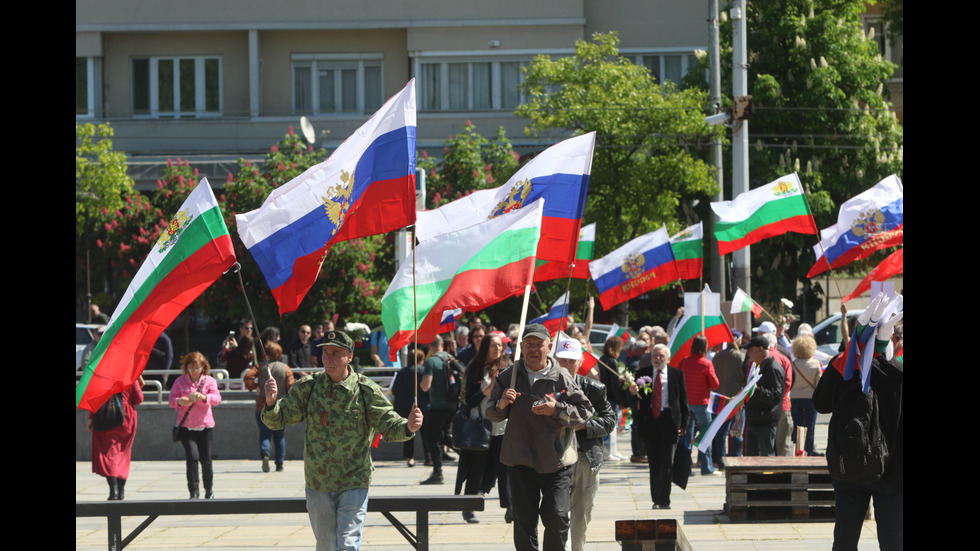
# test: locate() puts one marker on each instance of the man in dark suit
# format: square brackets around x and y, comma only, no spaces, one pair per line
[662,415]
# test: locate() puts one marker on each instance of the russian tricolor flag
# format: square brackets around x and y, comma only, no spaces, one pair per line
[559,174]
[449,318]
[366,187]
[641,265]
[869,222]
[553,320]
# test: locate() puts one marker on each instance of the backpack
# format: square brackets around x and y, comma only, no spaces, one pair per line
[856,447]
[110,415]
[454,377]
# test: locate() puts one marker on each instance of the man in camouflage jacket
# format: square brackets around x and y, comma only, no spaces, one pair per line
[342,411]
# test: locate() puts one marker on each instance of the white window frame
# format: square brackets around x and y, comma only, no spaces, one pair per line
[90,90]
[200,88]
[687,58]
[881,37]
[444,59]
[337,62]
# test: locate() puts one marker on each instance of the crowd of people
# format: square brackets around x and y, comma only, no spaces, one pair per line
[544,429]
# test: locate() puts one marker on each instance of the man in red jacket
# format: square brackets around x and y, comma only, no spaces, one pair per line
[699,374]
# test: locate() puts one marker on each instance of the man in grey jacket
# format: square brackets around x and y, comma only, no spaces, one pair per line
[585,480]
[544,406]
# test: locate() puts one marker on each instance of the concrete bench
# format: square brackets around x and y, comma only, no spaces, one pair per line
[421,505]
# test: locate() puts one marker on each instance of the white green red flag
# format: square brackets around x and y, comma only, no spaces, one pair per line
[688,246]
[471,268]
[193,251]
[742,302]
[617,331]
[706,436]
[702,315]
[767,211]
[548,270]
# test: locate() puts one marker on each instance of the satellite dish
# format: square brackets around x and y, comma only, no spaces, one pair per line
[307,127]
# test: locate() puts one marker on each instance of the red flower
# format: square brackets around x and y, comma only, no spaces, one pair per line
[98,243]
[275,147]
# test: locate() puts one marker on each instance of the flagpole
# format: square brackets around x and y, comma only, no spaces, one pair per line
[415,313]
[806,195]
[568,297]
[251,315]
[520,331]
[764,311]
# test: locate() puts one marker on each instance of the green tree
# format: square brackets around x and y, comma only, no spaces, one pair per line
[101,182]
[820,108]
[648,167]
[470,162]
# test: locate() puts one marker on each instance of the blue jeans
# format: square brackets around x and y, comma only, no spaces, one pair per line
[851,502]
[265,440]
[804,415]
[337,518]
[701,416]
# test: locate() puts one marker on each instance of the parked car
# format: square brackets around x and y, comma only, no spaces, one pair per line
[83,336]
[600,332]
[828,335]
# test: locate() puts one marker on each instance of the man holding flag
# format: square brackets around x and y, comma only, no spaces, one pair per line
[342,410]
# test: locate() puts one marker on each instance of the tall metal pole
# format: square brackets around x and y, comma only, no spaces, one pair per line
[742,273]
[714,59]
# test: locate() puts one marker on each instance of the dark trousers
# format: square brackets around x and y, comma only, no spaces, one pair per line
[499,470]
[547,495]
[197,449]
[436,420]
[661,438]
[851,501]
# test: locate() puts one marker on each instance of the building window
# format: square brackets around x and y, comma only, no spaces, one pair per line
[469,85]
[666,66]
[337,83]
[176,87]
[890,50]
[84,87]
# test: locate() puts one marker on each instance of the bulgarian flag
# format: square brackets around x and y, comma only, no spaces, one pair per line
[548,270]
[617,331]
[470,268]
[193,251]
[688,247]
[742,302]
[726,413]
[773,209]
[702,315]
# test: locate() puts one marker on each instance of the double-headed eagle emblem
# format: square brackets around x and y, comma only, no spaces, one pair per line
[868,223]
[633,265]
[174,229]
[337,201]
[514,200]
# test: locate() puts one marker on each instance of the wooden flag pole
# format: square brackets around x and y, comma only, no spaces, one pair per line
[520,332]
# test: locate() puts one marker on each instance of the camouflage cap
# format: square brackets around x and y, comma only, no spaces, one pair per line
[338,339]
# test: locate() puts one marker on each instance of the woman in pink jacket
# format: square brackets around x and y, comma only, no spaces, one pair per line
[193,395]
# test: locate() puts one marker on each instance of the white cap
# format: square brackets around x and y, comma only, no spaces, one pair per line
[765,327]
[569,349]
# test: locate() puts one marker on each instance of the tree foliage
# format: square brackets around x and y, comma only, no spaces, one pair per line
[470,162]
[650,137]
[101,182]
[820,108]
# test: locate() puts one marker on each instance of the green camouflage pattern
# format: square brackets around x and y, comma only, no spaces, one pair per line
[341,421]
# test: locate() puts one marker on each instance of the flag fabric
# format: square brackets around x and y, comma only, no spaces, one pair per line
[706,320]
[703,441]
[553,320]
[560,175]
[869,222]
[641,265]
[617,331]
[468,269]
[767,211]
[449,318]
[688,247]
[548,270]
[893,265]
[742,302]
[193,251]
[588,362]
[717,402]
[366,187]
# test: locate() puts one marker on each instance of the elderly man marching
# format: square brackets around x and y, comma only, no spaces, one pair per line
[585,480]
[544,407]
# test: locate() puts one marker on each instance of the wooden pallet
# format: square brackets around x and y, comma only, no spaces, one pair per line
[778,488]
